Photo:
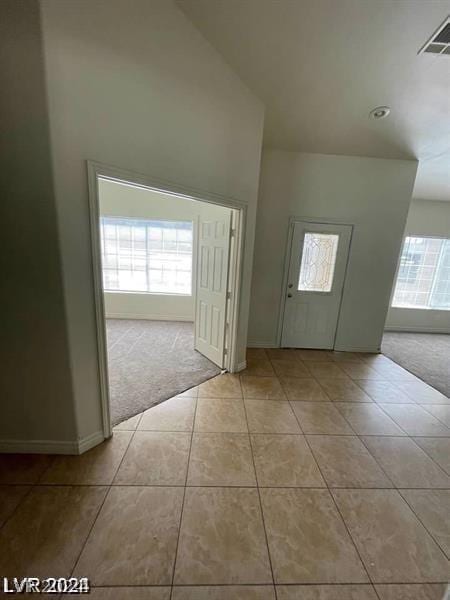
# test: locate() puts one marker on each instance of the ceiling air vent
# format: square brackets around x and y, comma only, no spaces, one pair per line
[439,43]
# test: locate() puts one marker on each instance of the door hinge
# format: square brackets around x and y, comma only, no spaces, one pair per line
[228,295]
[232,232]
[225,351]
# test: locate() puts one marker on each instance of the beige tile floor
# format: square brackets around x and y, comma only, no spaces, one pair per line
[310,476]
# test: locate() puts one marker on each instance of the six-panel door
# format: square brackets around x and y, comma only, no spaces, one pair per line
[212,278]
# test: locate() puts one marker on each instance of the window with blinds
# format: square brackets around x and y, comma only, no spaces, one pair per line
[423,279]
[140,255]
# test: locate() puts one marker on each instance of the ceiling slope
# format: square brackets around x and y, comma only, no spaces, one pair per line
[320,66]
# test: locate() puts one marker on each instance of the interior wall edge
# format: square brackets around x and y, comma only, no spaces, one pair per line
[37,387]
[240,367]
[157,72]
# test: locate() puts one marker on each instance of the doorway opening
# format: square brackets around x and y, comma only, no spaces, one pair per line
[315,268]
[167,265]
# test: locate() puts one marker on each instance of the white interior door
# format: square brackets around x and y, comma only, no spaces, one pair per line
[212,278]
[317,265]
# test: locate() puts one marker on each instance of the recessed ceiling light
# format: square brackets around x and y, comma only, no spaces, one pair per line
[380,112]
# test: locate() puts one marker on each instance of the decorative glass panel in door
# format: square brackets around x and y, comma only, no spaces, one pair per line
[318,262]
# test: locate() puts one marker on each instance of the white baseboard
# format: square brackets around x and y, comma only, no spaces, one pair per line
[51,446]
[369,349]
[147,317]
[90,441]
[413,329]
[239,367]
[38,447]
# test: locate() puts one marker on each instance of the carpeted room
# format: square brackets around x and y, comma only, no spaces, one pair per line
[417,332]
[149,362]
[152,260]
[426,355]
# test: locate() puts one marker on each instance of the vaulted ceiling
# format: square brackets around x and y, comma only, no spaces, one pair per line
[320,66]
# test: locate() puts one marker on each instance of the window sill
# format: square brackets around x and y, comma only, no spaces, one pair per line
[425,308]
[133,293]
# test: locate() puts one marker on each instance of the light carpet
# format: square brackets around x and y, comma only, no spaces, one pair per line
[151,361]
[426,355]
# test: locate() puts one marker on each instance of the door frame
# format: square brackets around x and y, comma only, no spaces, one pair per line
[287,258]
[96,171]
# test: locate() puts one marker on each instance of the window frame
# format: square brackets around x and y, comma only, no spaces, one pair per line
[394,287]
[146,292]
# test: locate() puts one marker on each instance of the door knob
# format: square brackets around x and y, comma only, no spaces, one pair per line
[289,295]
[290,285]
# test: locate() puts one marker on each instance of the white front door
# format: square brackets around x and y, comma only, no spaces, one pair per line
[212,282]
[317,266]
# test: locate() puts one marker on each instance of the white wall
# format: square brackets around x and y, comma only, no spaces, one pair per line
[425,218]
[36,403]
[117,200]
[132,84]
[373,195]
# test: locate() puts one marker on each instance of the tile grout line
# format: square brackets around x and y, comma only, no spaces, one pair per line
[392,383]
[389,479]
[183,500]
[332,402]
[352,434]
[270,585]
[424,406]
[354,543]
[109,487]
[389,417]
[37,483]
[378,463]
[339,512]
[380,406]
[287,487]
[260,505]
[323,478]
[31,486]
[139,421]
[360,437]
[408,437]
[343,521]
[355,381]
[429,455]
[45,471]
[421,521]
[329,434]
